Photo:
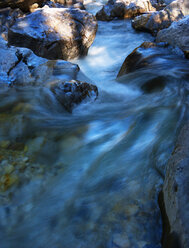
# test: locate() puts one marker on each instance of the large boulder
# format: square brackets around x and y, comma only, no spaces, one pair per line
[176,196]
[55,33]
[123,9]
[153,22]
[70,93]
[176,35]
[24,5]
[20,66]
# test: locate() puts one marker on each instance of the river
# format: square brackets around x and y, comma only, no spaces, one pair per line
[94,174]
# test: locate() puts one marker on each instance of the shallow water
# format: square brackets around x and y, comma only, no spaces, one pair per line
[91,178]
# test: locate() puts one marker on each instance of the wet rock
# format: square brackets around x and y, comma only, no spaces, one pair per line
[55,33]
[21,4]
[8,17]
[70,93]
[23,67]
[153,22]
[121,241]
[175,191]
[154,84]
[137,59]
[123,9]
[176,35]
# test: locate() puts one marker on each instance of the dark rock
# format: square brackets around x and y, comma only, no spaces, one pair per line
[24,5]
[123,9]
[55,33]
[176,35]
[70,93]
[8,17]
[153,22]
[23,67]
[154,84]
[137,59]
[175,191]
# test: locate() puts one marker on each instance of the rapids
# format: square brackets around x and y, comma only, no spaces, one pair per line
[96,173]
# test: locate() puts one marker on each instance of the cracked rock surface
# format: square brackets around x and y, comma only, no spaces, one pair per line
[20,66]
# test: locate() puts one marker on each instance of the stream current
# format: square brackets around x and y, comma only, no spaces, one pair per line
[94,174]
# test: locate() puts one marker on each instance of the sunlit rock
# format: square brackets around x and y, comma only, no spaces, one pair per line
[64,4]
[21,4]
[153,22]
[23,67]
[176,35]
[70,93]
[124,9]
[55,33]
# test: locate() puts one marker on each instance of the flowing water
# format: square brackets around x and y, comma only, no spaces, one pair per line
[91,178]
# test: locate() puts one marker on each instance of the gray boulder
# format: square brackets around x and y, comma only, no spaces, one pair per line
[176,196]
[153,22]
[24,5]
[176,35]
[20,66]
[55,33]
[123,9]
[70,93]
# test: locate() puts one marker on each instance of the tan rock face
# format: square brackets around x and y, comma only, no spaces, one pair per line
[124,9]
[162,19]
[24,5]
[176,35]
[55,33]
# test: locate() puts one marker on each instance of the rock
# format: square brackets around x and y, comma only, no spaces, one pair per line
[176,35]
[153,22]
[155,84]
[143,57]
[70,93]
[137,59]
[55,33]
[175,191]
[123,9]
[121,240]
[23,67]
[24,5]
[65,3]
[8,17]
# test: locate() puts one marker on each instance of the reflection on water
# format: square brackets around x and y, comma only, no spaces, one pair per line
[90,179]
